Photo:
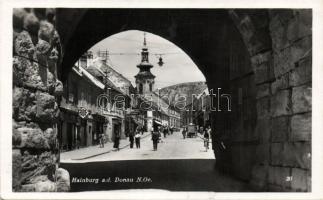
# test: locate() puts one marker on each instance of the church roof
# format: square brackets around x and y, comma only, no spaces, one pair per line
[144,64]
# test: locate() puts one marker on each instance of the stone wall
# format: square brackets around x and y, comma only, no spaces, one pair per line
[243,117]
[280,45]
[285,73]
[36,90]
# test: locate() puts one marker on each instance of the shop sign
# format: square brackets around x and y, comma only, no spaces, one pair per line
[83,113]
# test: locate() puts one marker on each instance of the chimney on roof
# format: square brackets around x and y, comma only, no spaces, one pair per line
[103,56]
[86,59]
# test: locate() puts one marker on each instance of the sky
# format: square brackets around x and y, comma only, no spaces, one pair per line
[177,68]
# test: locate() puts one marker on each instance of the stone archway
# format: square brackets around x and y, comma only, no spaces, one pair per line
[271,97]
[210,50]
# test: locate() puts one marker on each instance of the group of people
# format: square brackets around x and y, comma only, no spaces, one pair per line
[166,130]
[156,132]
[155,135]
[135,137]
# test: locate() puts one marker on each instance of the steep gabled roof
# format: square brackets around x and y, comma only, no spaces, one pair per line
[90,77]
[99,73]
[115,77]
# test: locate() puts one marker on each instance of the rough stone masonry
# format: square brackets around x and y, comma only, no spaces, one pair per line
[285,156]
[36,89]
[280,44]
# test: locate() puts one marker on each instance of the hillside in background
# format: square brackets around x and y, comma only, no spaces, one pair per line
[174,92]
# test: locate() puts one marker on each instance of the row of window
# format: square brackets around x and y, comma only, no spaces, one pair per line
[85,98]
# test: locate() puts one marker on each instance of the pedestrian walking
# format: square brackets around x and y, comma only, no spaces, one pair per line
[131,139]
[102,140]
[155,138]
[142,130]
[209,130]
[171,130]
[184,133]
[201,130]
[165,132]
[116,139]
[206,138]
[95,142]
[100,144]
[137,138]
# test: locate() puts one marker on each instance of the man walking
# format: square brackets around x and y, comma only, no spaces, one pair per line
[184,132]
[102,140]
[117,140]
[155,138]
[131,139]
[142,130]
[206,138]
[165,131]
[137,138]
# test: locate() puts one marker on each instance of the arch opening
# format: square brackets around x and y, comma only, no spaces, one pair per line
[127,63]
[223,58]
[251,55]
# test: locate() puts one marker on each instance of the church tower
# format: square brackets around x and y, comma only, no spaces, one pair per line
[145,80]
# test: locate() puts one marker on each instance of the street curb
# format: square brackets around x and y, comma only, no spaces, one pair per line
[87,157]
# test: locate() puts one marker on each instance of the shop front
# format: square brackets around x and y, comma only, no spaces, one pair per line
[116,127]
[68,130]
[99,122]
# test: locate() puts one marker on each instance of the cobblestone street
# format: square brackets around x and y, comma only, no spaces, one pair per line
[171,147]
[178,165]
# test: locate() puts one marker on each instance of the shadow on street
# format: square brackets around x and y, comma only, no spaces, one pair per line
[172,175]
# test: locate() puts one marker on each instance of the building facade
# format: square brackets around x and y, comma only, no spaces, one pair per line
[80,119]
[199,111]
[115,101]
[92,105]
